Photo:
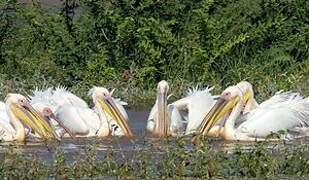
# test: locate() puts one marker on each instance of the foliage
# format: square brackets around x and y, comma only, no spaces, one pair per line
[263,160]
[209,42]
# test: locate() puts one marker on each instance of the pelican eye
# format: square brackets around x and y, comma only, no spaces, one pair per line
[47,111]
[105,95]
[226,95]
[22,101]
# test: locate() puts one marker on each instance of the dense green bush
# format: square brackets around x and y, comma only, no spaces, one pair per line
[208,42]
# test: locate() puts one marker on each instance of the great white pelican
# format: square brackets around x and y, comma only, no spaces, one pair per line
[158,122]
[112,109]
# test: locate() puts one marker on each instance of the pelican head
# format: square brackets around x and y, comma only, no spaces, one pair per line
[225,104]
[106,102]
[246,89]
[48,115]
[20,109]
[161,122]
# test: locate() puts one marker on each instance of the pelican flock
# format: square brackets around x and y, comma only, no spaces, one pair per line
[285,111]
[55,113]
[72,114]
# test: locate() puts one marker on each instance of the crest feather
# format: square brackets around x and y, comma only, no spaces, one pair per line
[197,89]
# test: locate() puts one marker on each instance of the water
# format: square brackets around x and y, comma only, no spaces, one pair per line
[74,148]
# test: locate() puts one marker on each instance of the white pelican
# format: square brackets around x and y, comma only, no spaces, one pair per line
[171,119]
[112,110]
[19,112]
[285,111]
[74,114]
[164,120]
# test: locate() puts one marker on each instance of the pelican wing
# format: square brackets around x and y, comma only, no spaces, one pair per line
[176,123]
[41,96]
[6,135]
[90,118]
[151,118]
[7,131]
[281,97]
[5,122]
[70,118]
[61,96]
[284,116]
[197,104]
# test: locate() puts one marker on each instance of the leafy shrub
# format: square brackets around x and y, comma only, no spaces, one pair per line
[92,42]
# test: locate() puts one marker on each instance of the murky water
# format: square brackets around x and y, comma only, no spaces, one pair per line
[73,148]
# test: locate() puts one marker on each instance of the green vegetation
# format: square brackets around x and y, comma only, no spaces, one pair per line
[261,160]
[131,45]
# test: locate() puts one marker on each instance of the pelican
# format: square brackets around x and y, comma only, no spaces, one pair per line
[182,116]
[112,110]
[18,112]
[285,111]
[74,113]
[164,119]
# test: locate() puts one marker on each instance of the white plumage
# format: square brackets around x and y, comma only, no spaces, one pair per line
[97,92]
[6,129]
[291,111]
[74,113]
[61,96]
[71,110]
[197,103]
[285,111]
[186,114]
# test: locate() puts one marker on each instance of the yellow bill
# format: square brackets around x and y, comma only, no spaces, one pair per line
[111,109]
[30,117]
[221,107]
[162,123]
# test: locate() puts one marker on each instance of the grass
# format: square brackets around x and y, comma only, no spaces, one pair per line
[263,160]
